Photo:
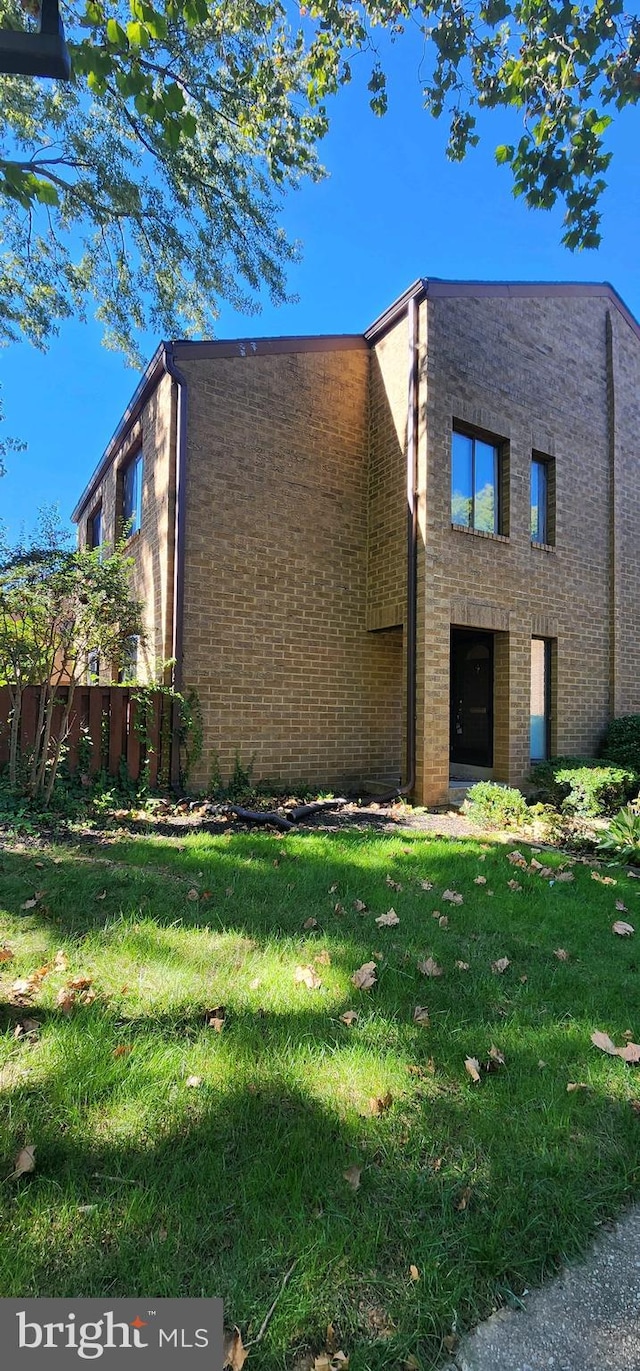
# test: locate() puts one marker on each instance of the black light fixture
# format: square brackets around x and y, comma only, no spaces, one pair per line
[37,54]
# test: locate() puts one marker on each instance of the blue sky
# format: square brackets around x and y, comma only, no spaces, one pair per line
[392,209]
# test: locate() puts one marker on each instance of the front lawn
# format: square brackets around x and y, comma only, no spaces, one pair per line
[182,1151]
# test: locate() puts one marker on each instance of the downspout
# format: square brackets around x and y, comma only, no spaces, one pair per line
[412,550]
[177,625]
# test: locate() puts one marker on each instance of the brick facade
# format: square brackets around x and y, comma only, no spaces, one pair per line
[295,532]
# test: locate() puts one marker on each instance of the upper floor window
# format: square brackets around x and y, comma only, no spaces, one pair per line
[475,483]
[94,529]
[542,499]
[132,495]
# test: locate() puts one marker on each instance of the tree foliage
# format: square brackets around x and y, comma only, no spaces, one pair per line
[59,609]
[152,181]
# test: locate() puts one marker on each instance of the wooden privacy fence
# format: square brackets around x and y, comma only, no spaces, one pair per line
[109,729]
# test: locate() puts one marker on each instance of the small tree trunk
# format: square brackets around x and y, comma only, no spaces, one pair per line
[62,737]
[36,750]
[15,694]
[44,741]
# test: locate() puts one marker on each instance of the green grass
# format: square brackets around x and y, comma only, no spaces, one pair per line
[146,1186]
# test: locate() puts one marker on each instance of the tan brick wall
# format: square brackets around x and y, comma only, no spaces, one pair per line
[625,375]
[152,547]
[275,637]
[533,372]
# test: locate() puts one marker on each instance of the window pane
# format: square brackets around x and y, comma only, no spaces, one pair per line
[461,479]
[486,502]
[539,502]
[539,698]
[132,494]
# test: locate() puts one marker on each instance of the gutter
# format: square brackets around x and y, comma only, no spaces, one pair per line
[177,635]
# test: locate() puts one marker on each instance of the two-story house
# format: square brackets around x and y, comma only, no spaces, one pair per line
[411,554]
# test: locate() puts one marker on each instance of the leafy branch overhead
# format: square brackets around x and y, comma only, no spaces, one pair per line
[152,181]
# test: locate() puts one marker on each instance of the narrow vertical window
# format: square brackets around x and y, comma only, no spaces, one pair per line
[132,495]
[540,699]
[539,501]
[94,529]
[475,483]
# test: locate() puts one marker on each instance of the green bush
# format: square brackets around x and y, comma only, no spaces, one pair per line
[623,835]
[496,806]
[621,742]
[584,785]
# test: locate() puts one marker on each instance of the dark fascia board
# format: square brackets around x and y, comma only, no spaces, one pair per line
[185,350]
[434,288]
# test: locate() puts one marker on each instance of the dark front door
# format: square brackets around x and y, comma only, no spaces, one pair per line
[471,697]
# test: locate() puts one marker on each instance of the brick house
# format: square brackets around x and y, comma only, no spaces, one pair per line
[406,555]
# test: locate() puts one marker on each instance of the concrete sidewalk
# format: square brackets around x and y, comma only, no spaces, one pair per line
[586,1319]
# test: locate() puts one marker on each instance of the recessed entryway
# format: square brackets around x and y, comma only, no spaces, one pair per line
[471,713]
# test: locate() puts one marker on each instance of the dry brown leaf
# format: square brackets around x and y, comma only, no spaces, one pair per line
[102,895]
[452,896]
[634,874]
[621,906]
[215,1018]
[6,955]
[443,921]
[430,968]
[379,1104]
[360,906]
[60,961]
[541,1065]
[500,966]
[622,929]
[193,1082]
[565,876]
[393,885]
[365,977]
[603,880]
[421,1015]
[514,885]
[576,1085]
[79,983]
[352,1176]
[603,1041]
[305,975]
[410,1363]
[31,904]
[388,920]
[461,966]
[66,1000]
[25,1161]
[562,954]
[323,958]
[332,889]
[193,894]
[523,980]
[310,923]
[630,1053]
[414,1273]
[517,859]
[123,1050]
[339,908]
[449,1342]
[27,1028]
[349,1017]
[426,885]
[463,1199]
[435,914]
[479,880]
[235,1355]
[496,1059]
[472,1065]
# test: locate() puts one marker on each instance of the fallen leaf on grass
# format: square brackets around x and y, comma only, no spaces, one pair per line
[66,1001]
[430,968]
[360,906]
[635,1105]
[514,885]
[496,1059]
[31,904]
[215,1018]
[349,1017]
[339,908]
[603,1041]
[565,876]
[630,1053]
[426,885]
[6,955]
[27,1028]
[603,880]
[620,904]
[388,920]
[500,966]
[25,1162]
[102,895]
[310,923]
[414,1273]
[622,929]
[332,889]
[255,983]
[379,1104]
[517,859]
[472,1065]
[336,1361]
[410,1363]
[461,966]
[452,896]
[421,1015]
[60,961]
[123,1050]
[393,885]
[77,989]
[463,1199]
[576,1085]
[443,921]
[323,958]
[193,1082]
[352,1176]
[479,880]
[562,954]
[365,977]
[449,1342]
[305,975]
[235,1355]
[193,895]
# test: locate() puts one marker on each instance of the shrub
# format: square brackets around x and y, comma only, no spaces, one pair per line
[496,806]
[584,785]
[621,742]
[623,835]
